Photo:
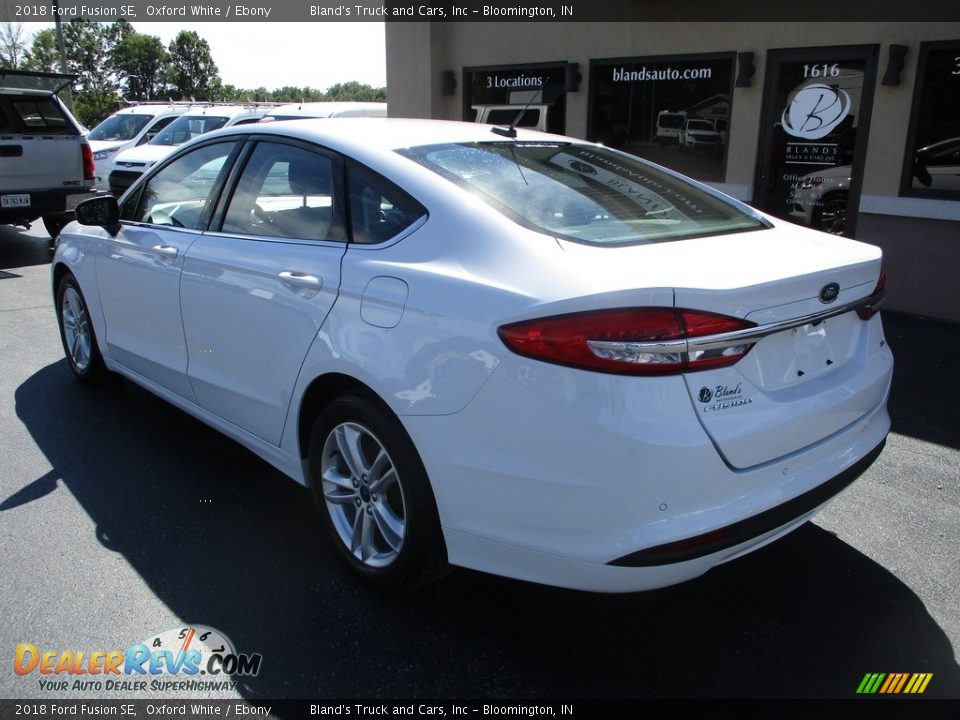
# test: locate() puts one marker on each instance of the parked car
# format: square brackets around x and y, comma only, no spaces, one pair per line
[821,199]
[536,357]
[299,111]
[700,134]
[46,165]
[937,166]
[126,128]
[131,164]
[669,126]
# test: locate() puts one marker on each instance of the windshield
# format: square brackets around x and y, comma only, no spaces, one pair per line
[584,193]
[119,127]
[670,121]
[187,127]
[699,125]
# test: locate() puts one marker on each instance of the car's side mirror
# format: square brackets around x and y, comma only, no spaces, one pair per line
[100,211]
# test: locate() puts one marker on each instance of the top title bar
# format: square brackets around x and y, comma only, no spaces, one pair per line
[476,11]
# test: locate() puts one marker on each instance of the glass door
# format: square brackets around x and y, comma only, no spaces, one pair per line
[813,139]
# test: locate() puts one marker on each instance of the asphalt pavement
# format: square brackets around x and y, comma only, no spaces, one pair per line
[121,516]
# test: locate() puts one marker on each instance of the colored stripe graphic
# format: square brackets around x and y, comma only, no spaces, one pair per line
[870,683]
[894,683]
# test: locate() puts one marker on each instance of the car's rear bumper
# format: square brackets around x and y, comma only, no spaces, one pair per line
[43,202]
[748,530]
[597,483]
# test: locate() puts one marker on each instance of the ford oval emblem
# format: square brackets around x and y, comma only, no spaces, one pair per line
[829,293]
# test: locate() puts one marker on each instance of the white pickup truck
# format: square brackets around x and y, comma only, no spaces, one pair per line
[46,165]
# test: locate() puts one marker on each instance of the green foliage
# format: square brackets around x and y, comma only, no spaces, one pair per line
[351,91]
[13,46]
[89,47]
[192,74]
[354,91]
[113,62]
[92,106]
[141,61]
[43,55]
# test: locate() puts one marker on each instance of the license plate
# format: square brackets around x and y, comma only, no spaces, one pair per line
[14,201]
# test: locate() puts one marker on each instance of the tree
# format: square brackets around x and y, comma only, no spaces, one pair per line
[91,55]
[354,91]
[13,48]
[88,47]
[43,55]
[140,61]
[192,72]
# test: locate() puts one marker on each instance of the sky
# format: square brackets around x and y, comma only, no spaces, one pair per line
[274,54]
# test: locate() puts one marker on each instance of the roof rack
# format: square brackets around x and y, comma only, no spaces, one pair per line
[202,103]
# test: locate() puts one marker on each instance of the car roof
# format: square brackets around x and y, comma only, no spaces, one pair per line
[223,110]
[361,134]
[152,109]
[325,108]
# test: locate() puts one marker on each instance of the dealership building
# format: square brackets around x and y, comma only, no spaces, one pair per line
[852,128]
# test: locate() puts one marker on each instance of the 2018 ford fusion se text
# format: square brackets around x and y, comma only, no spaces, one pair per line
[510,351]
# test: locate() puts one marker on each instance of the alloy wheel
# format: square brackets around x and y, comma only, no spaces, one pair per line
[364,494]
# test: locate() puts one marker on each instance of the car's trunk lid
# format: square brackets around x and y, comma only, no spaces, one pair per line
[796,386]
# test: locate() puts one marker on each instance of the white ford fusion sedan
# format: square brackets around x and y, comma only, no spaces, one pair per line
[530,355]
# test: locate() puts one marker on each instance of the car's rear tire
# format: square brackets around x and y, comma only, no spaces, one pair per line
[373,495]
[77,333]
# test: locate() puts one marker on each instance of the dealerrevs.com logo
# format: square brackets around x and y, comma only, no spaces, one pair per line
[196,658]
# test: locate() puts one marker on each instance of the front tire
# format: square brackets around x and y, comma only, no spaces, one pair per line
[76,332]
[373,495]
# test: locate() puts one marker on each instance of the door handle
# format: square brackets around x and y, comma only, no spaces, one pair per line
[169,251]
[299,279]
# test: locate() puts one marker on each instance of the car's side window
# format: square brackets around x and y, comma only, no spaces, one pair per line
[179,194]
[155,130]
[378,209]
[286,191]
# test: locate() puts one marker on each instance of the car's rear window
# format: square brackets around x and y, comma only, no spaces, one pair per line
[584,193]
[41,114]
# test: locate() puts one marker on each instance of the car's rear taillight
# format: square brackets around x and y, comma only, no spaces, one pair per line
[631,341]
[89,168]
[868,311]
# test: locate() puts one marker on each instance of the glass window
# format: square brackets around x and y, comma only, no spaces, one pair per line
[156,128]
[646,106]
[40,113]
[180,192]
[119,127]
[497,95]
[187,127]
[285,191]
[932,165]
[378,209]
[584,193]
